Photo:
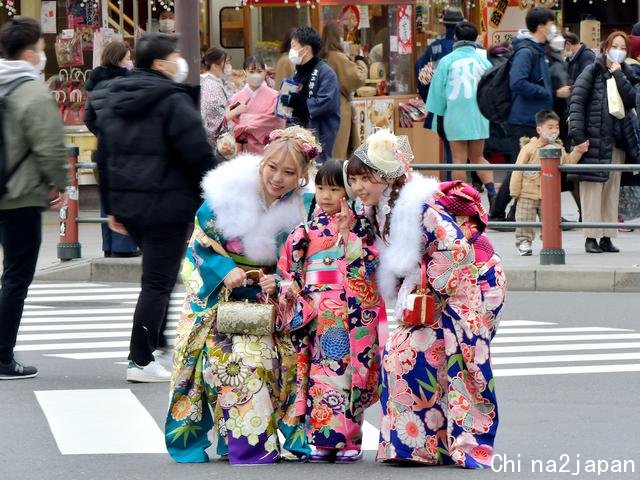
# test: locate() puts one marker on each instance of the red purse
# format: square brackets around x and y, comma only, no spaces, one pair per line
[421,306]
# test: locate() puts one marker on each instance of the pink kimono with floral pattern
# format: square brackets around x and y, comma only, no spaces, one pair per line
[335,315]
[253,127]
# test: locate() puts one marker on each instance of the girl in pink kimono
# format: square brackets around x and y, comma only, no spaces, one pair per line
[336,317]
[256,104]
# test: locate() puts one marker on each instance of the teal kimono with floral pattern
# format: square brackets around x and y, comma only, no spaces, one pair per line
[242,387]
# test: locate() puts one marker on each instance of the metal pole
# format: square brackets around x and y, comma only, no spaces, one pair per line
[69,246]
[188,27]
[105,13]
[121,7]
[552,252]
[136,22]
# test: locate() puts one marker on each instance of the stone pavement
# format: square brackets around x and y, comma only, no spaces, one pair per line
[605,272]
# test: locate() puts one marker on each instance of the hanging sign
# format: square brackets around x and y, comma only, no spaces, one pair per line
[405,31]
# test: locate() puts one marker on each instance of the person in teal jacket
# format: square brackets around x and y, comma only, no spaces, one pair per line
[453,96]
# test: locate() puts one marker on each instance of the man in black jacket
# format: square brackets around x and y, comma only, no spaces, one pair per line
[156,154]
[578,55]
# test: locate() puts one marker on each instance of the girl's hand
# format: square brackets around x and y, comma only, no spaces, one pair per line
[267,283]
[235,278]
[344,218]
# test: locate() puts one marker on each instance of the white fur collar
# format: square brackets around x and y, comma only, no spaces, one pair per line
[401,256]
[234,193]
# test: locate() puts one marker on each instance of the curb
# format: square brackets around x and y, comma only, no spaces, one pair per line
[552,278]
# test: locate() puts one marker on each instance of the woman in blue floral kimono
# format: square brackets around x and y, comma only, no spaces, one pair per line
[240,386]
[437,390]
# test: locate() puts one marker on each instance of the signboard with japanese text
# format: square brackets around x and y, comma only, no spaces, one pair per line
[504,18]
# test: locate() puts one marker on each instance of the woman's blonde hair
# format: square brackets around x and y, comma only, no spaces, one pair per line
[296,143]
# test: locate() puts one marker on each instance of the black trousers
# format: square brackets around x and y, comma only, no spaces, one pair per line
[20,237]
[504,195]
[163,248]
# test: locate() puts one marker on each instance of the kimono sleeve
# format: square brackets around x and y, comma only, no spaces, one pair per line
[295,310]
[211,267]
[451,271]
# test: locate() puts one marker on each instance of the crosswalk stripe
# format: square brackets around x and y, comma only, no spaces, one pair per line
[85,311]
[101,421]
[563,338]
[508,331]
[564,347]
[36,337]
[69,346]
[523,323]
[564,358]
[43,286]
[77,291]
[86,298]
[84,319]
[517,372]
[90,355]
[85,326]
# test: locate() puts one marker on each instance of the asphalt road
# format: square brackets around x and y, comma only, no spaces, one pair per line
[567,376]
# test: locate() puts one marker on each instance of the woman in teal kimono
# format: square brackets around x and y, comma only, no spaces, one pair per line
[452,95]
[240,386]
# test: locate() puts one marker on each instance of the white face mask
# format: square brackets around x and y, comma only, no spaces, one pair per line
[182,72]
[167,25]
[550,137]
[42,63]
[294,57]
[616,55]
[228,69]
[553,31]
[128,65]
[557,43]
[255,79]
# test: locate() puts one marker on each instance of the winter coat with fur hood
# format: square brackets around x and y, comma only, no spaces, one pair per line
[589,118]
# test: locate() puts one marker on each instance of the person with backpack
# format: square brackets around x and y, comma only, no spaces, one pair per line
[529,89]
[452,97]
[32,174]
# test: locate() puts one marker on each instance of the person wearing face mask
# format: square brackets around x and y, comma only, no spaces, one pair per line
[216,94]
[531,89]
[611,140]
[156,155]
[316,105]
[115,63]
[351,75]
[254,116]
[167,22]
[579,56]
[525,186]
[34,174]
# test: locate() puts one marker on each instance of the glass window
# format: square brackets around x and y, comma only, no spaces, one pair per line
[270,25]
[369,29]
[231,28]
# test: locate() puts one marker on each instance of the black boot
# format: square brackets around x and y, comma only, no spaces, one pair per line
[607,246]
[591,246]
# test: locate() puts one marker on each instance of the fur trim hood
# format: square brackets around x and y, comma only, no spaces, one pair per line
[234,194]
[400,258]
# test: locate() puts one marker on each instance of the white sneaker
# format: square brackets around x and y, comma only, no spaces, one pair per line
[154,372]
[524,249]
[164,356]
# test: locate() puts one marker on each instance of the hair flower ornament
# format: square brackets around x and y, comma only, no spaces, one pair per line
[302,137]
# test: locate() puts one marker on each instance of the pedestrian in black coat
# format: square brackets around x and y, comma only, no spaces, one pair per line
[579,56]
[156,155]
[115,63]
[611,140]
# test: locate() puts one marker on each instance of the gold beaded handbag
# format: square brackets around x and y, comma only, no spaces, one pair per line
[244,317]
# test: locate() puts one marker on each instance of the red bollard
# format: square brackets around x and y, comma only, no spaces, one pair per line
[69,247]
[552,252]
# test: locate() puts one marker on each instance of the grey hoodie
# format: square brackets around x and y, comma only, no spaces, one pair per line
[31,123]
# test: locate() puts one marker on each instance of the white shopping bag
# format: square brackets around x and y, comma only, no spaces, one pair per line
[616,107]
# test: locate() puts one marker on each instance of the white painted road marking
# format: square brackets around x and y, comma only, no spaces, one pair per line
[93,422]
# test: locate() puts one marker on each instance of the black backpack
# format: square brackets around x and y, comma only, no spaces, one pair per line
[5,175]
[494,95]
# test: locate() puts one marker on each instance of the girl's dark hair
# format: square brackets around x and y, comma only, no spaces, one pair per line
[285,46]
[213,56]
[254,60]
[113,54]
[358,167]
[330,173]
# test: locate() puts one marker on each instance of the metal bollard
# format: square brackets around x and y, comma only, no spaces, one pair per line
[552,252]
[69,246]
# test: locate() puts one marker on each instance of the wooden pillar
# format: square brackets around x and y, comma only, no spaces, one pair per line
[188,27]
